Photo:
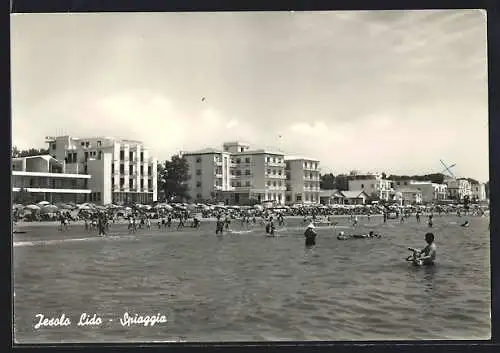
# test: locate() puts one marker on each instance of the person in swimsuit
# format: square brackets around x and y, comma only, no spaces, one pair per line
[428,254]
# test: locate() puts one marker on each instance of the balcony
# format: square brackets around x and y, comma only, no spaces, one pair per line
[275,164]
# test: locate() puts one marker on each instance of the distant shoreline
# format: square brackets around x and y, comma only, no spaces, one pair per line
[320,219]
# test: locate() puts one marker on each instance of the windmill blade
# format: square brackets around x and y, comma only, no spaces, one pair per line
[451,166]
[444,165]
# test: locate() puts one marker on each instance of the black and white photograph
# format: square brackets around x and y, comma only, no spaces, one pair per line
[253,176]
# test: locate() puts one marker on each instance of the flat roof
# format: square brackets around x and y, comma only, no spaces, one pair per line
[300,158]
[203,151]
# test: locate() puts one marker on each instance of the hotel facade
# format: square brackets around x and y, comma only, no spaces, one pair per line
[121,170]
[44,178]
[303,180]
[239,175]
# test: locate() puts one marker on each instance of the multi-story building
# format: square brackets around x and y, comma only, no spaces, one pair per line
[431,192]
[372,184]
[303,180]
[458,189]
[478,192]
[121,170]
[237,175]
[209,174]
[44,178]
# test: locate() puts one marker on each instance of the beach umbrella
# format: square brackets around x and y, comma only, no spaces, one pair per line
[49,209]
[17,207]
[168,207]
[84,207]
[258,207]
[43,203]
[32,207]
[191,207]
[65,207]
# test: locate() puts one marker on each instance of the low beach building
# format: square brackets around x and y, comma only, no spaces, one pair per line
[410,196]
[431,192]
[355,197]
[372,184]
[44,178]
[331,197]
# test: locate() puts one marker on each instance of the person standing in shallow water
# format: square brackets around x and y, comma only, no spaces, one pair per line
[310,235]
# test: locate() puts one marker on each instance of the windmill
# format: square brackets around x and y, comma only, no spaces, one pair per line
[447,169]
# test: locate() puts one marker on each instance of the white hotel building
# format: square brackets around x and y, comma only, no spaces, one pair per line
[238,175]
[303,180]
[46,179]
[121,170]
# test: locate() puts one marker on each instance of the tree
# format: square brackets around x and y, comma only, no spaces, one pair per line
[384,176]
[327,182]
[172,178]
[28,153]
[342,182]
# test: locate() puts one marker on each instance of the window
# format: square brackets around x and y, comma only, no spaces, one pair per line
[226,149]
[53,146]
[122,155]
[122,182]
[142,183]
[131,183]
[247,172]
[269,172]
[238,183]
[150,170]
[99,143]
[373,186]
[238,160]
[298,198]
[288,198]
[82,143]
[274,160]
[274,183]
[269,183]
[198,171]
[274,171]
[242,149]
[198,184]
[141,168]
[142,156]
[112,169]
[87,144]
[198,159]
[112,182]
[247,160]
[279,172]
[122,169]
[131,156]
[198,196]
[247,183]
[279,183]
[131,169]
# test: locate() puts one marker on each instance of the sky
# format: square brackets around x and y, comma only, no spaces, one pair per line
[373,91]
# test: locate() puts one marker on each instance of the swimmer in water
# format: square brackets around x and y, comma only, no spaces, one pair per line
[428,254]
[465,224]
